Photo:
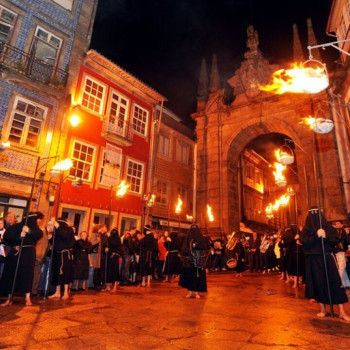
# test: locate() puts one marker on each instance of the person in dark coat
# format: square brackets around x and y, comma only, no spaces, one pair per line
[318,231]
[62,256]
[172,266]
[82,250]
[147,244]
[29,232]
[113,252]
[239,255]
[193,276]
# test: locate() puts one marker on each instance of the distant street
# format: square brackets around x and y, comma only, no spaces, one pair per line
[250,313]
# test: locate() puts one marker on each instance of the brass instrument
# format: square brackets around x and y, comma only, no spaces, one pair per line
[264,246]
[231,243]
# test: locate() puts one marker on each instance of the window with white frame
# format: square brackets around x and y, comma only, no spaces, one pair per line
[7,22]
[26,123]
[182,153]
[162,192]
[134,175]
[140,120]
[46,46]
[82,157]
[118,111]
[93,95]
[164,146]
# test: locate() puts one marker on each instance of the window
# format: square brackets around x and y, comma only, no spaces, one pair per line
[110,166]
[118,112]
[67,4]
[83,158]
[134,175]
[139,120]
[7,21]
[93,94]
[162,192]
[46,46]
[164,146]
[26,123]
[182,153]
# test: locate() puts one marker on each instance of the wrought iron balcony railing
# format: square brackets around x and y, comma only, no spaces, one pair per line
[118,131]
[21,62]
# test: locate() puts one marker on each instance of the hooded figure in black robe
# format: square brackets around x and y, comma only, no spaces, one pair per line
[193,275]
[114,252]
[316,287]
[25,273]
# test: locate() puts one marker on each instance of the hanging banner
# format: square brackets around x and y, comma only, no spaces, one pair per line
[111,166]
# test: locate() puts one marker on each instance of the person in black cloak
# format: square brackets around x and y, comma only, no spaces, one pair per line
[62,257]
[147,244]
[316,227]
[28,230]
[195,250]
[113,252]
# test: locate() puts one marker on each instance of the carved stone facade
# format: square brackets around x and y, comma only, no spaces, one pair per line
[225,130]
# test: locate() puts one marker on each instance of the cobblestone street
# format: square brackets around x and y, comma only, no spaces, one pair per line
[254,312]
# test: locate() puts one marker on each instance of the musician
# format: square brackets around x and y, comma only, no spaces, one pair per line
[319,238]
[194,278]
[253,253]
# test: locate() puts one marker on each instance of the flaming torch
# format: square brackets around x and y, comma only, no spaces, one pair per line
[280,180]
[284,157]
[60,167]
[209,213]
[318,125]
[178,208]
[122,189]
[299,79]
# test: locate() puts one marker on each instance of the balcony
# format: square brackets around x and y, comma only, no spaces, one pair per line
[114,130]
[21,62]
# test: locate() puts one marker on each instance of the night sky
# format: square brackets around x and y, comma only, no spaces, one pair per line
[162,42]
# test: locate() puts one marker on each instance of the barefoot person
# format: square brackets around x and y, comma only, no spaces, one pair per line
[315,275]
[195,249]
[30,233]
[62,257]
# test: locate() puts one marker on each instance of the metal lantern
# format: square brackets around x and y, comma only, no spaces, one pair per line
[315,76]
[323,125]
[281,182]
[286,155]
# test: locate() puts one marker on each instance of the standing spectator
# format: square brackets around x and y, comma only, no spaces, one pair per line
[317,232]
[161,256]
[218,262]
[253,253]
[128,252]
[239,255]
[62,256]
[2,246]
[340,249]
[82,250]
[264,246]
[172,261]
[30,232]
[146,248]
[10,219]
[193,276]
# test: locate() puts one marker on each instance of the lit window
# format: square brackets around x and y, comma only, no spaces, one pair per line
[7,21]
[26,123]
[134,175]
[162,192]
[83,159]
[164,146]
[139,120]
[93,95]
[118,113]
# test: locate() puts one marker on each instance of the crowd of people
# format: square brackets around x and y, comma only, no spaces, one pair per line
[54,261]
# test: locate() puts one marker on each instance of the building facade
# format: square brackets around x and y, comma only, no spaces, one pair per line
[112,142]
[173,174]
[41,46]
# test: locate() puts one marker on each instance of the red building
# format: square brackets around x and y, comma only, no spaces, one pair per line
[113,141]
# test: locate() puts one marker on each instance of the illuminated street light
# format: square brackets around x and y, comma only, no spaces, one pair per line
[4,146]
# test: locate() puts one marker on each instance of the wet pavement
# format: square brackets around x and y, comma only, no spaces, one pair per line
[250,313]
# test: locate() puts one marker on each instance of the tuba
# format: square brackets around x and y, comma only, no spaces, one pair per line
[231,243]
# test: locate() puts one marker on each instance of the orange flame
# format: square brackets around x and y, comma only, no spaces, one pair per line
[178,205]
[280,202]
[310,121]
[122,189]
[284,157]
[209,213]
[298,79]
[278,173]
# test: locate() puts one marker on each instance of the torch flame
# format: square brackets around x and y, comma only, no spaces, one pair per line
[280,202]
[178,205]
[209,213]
[122,189]
[298,79]
[278,173]
[63,165]
[310,121]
